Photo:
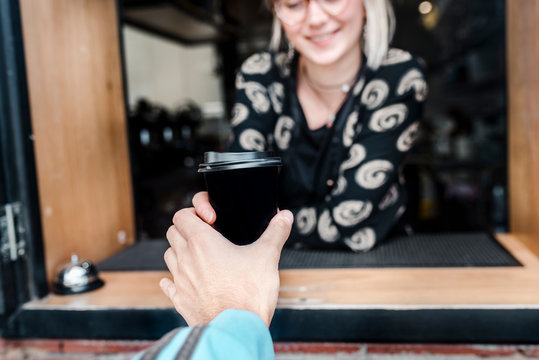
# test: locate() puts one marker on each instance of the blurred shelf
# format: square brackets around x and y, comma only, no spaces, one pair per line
[451,163]
[183,21]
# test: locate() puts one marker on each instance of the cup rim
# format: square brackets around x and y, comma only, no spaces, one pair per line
[240,164]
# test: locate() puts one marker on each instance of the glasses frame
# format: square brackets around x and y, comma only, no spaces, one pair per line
[276,10]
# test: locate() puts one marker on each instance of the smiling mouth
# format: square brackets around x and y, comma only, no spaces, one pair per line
[323,38]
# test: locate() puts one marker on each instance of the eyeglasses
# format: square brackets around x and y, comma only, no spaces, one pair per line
[294,12]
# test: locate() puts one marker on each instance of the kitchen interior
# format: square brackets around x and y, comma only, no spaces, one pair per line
[172,88]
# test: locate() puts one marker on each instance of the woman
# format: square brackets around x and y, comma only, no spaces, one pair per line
[341,109]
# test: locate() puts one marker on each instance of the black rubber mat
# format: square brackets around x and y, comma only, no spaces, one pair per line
[143,255]
[421,250]
[440,250]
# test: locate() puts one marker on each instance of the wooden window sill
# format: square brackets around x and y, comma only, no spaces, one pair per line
[487,304]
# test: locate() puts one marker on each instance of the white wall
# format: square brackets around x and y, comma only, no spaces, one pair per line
[167,73]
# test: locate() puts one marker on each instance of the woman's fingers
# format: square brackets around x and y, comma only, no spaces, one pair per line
[204,210]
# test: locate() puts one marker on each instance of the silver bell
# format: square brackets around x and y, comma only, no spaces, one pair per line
[76,277]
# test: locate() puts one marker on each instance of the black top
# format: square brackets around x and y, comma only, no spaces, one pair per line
[342,183]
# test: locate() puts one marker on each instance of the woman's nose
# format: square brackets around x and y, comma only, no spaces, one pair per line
[315,13]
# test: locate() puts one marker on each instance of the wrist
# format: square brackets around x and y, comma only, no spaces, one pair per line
[255,316]
[266,315]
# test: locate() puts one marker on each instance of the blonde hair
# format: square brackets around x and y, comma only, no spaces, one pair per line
[378,31]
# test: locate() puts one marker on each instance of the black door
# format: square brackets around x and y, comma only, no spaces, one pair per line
[22,274]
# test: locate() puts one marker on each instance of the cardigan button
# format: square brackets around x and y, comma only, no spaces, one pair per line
[330,182]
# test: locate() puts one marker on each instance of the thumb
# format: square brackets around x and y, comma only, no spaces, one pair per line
[278,230]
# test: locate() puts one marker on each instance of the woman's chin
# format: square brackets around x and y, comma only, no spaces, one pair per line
[322,58]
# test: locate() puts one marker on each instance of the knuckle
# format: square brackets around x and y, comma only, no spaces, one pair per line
[165,287]
[200,198]
[167,254]
[173,236]
[180,215]
[176,300]
[281,226]
[170,290]
[202,195]
[177,216]
[170,231]
[196,199]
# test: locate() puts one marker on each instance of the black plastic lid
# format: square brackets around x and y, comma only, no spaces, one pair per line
[220,161]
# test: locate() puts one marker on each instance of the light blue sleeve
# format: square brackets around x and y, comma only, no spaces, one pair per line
[233,334]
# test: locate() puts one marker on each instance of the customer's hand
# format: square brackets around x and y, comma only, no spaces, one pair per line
[203,208]
[211,274]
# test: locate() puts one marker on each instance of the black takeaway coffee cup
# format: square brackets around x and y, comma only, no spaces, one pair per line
[242,187]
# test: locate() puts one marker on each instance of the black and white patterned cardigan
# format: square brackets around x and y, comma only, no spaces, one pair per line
[342,183]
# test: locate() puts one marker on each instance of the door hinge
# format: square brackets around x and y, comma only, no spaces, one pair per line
[12,232]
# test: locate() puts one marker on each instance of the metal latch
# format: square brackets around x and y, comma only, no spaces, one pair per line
[12,232]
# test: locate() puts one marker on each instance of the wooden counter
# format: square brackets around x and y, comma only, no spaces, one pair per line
[478,304]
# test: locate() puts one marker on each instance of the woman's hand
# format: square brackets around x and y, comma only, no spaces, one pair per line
[203,208]
[211,274]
